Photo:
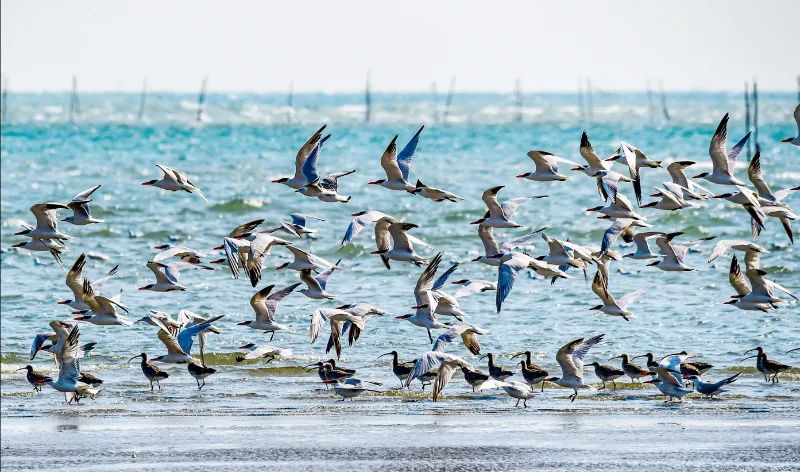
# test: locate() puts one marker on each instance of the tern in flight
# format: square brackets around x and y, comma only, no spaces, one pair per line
[174,181]
[723,161]
[570,358]
[398,165]
[81,215]
[299,180]
[499,215]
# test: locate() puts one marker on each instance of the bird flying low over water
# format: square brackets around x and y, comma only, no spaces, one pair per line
[398,165]
[499,215]
[570,359]
[546,167]
[81,215]
[723,161]
[174,180]
[611,306]
[795,140]
[433,193]
[299,179]
[179,347]
[402,244]
[265,306]
[75,280]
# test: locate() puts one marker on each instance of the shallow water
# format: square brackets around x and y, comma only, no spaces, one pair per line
[245,142]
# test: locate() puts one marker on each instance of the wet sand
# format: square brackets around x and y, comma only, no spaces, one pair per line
[670,440]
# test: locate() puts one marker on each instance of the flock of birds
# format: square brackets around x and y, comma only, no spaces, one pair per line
[246,250]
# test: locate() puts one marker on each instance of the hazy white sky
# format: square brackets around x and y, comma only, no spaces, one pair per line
[329,45]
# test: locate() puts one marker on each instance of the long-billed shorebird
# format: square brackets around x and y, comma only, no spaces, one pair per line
[631,370]
[36,378]
[769,368]
[606,373]
[151,372]
[532,373]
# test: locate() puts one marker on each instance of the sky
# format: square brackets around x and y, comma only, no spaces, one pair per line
[327,46]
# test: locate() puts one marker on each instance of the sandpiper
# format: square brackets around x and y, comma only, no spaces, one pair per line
[35,378]
[631,370]
[199,372]
[607,373]
[150,371]
[497,371]
[399,369]
[769,368]
[532,373]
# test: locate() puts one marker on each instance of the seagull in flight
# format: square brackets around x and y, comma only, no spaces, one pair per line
[398,165]
[723,161]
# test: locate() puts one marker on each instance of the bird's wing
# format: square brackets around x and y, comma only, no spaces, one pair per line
[425,280]
[259,303]
[630,160]
[310,165]
[718,150]
[600,286]
[544,161]
[628,298]
[489,197]
[245,228]
[74,277]
[612,233]
[272,300]
[389,161]
[305,150]
[509,207]
[231,247]
[308,278]
[399,237]
[736,150]
[169,172]
[487,238]
[97,284]
[407,153]
[439,283]
[737,279]
[509,245]
[84,196]
[186,336]
[323,277]
[757,177]
[426,363]
[358,223]
[318,319]
[587,152]
[506,275]
[578,351]
[69,357]
[474,286]
[722,247]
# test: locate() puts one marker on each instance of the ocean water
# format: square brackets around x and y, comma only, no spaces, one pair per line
[247,140]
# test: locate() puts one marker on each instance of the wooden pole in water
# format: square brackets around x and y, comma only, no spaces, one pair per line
[74,103]
[201,99]
[755,115]
[651,106]
[589,104]
[368,98]
[290,103]
[664,109]
[518,101]
[747,118]
[581,110]
[142,100]
[4,102]
[449,100]
[435,97]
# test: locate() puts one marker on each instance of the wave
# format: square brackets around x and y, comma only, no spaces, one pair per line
[240,205]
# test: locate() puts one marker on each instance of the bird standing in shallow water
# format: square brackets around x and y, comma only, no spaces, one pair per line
[35,378]
[532,373]
[151,372]
[607,373]
[199,372]
[766,366]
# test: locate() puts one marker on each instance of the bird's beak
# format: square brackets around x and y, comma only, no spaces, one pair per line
[596,307]
[594,208]
[636,357]
[616,357]
[146,183]
[142,288]
[748,357]
[577,168]
[482,356]
[374,182]
[134,357]
[650,381]
[387,354]
[21,368]
[162,247]
[517,354]
[521,176]
[64,302]
[243,323]
[751,350]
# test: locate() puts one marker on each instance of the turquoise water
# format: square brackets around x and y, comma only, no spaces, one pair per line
[245,141]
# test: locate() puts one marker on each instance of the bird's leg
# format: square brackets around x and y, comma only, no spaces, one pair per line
[542,386]
[517,404]
[614,383]
[272,336]
[473,389]
[423,386]
[151,385]
[159,385]
[603,387]
[574,396]
[198,384]
[766,379]
[525,403]
[430,336]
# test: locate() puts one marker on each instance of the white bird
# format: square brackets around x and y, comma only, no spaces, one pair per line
[248,253]
[46,223]
[795,140]
[499,215]
[315,286]
[167,276]
[723,161]
[179,347]
[53,246]
[519,390]
[511,264]
[546,167]
[643,250]
[304,260]
[174,180]
[81,215]
[635,160]
[469,287]
[402,246]
[398,166]
[671,198]
[298,226]
[351,388]
[299,179]
[620,227]
[325,189]
[425,316]
[570,358]
[433,193]
[673,254]
[74,281]
[172,324]
[265,305]
[336,318]
[742,287]
[670,380]
[184,254]
[494,251]
[611,306]
[689,187]
[264,352]
[68,360]
[360,221]
[102,311]
[364,311]
[595,163]
[620,207]
[446,304]
[723,245]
